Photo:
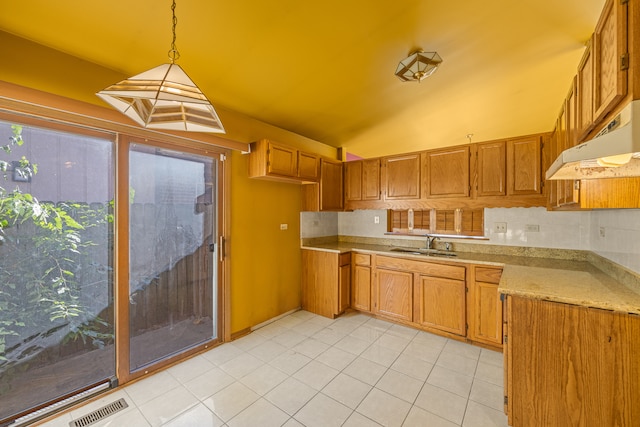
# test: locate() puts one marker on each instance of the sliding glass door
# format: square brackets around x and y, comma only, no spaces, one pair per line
[172,277]
[56,264]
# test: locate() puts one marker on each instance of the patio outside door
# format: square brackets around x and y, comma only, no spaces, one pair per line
[172,268]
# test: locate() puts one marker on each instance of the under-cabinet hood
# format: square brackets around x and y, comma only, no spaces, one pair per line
[613,153]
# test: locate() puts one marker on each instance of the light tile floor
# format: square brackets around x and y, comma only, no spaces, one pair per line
[307,370]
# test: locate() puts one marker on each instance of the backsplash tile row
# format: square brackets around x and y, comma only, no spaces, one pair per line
[613,234]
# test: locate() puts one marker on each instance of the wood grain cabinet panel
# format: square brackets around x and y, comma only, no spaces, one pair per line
[585,92]
[308,166]
[326,282]
[441,304]
[610,47]
[484,308]
[371,179]
[330,185]
[571,365]
[524,166]
[492,169]
[361,282]
[401,179]
[353,181]
[282,160]
[447,172]
[394,294]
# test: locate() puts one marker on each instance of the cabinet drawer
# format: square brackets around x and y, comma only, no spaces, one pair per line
[345,259]
[488,275]
[362,259]
[429,268]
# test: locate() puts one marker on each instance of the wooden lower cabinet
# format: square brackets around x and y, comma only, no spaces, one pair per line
[484,308]
[361,282]
[394,294]
[441,304]
[325,282]
[571,366]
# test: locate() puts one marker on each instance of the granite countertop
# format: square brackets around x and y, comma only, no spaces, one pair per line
[550,276]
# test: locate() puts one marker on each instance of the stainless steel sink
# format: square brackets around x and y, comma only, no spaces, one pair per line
[426,252]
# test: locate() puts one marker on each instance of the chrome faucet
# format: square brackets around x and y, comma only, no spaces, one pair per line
[430,240]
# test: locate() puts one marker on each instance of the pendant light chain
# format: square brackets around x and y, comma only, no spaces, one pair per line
[173,53]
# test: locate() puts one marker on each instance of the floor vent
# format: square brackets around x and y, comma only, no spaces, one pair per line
[100,414]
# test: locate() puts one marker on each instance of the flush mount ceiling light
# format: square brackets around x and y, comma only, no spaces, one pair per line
[418,66]
[164,97]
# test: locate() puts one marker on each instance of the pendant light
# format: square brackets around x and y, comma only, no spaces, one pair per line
[164,97]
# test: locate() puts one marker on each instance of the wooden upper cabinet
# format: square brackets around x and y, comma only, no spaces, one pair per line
[371,179]
[447,172]
[279,162]
[330,185]
[610,58]
[353,181]
[282,160]
[308,166]
[524,166]
[492,169]
[585,92]
[362,180]
[401,177]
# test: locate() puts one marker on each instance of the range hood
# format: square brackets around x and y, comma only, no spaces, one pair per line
[613,153]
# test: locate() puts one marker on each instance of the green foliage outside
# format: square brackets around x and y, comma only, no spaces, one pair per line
[44,249]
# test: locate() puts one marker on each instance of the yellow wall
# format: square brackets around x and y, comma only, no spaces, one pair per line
[265,261]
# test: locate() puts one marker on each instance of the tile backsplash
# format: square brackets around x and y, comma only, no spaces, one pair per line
[613,234]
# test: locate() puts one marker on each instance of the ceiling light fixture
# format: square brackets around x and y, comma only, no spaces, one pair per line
[164,97]
[418,66]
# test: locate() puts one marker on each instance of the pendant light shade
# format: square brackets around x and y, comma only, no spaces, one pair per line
[164,98]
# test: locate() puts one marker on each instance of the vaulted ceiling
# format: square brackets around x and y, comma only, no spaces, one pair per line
[325,69]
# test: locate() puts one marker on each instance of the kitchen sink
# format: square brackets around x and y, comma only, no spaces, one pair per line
[426,252]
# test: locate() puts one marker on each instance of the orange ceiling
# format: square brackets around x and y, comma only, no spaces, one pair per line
[324,69]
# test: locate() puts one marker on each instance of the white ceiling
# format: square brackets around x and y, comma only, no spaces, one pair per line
[325,69]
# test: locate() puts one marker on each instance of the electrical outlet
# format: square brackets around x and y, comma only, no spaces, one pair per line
[602,232]
[284,226]
[376,219]
[532,228]
[500,227]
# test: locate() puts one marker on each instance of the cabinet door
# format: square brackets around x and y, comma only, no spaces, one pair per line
[581,364]
[353,181]
[361,288]
[320,282]
[282,160]
[524,166]
[394,294]
[571,188]
[609,44]
[585,92]
[441,304]
[402,177]
[330,185]
[371,179]
[492,164]
[344,282]
[447,172]
[308,166]
[484,306]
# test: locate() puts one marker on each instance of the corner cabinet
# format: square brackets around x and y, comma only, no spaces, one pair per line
[326,195]
[326,282]
[580,363]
